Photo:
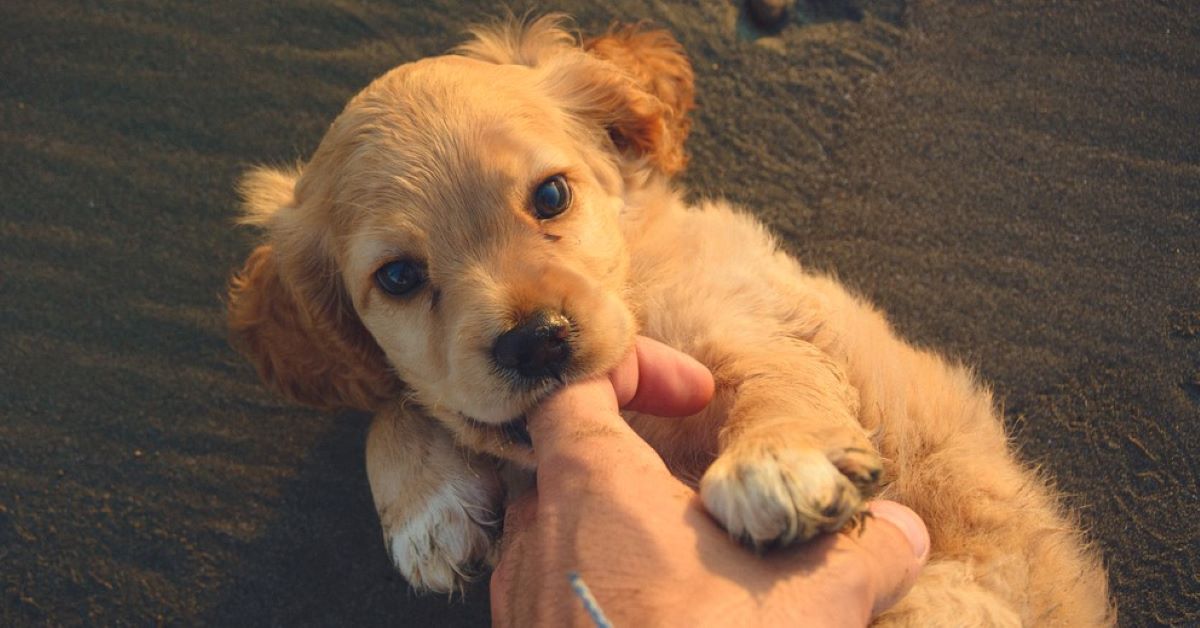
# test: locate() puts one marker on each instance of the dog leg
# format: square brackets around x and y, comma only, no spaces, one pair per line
[1003,551]
[439,506]
[794,460]
[948,594]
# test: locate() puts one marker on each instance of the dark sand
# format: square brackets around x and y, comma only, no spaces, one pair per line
[1017,183]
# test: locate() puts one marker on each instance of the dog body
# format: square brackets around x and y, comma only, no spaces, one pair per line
[477,229]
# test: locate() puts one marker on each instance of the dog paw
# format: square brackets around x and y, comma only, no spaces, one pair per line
[446,544]
[777,496]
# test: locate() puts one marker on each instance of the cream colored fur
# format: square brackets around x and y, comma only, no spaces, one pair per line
[818,406]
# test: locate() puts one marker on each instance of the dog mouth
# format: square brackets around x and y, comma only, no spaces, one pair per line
[514,431]
[517,431]
[511,436]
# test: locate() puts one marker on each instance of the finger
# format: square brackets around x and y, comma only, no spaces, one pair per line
[653,378]
[661,381]
[656,379]
[498,593]
[519,519]
[580,429]
[577,432]
[897,541]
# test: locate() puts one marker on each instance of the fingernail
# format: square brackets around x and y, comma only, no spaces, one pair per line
[908,522]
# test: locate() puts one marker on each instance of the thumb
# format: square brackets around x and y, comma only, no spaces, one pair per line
[656,379]
[897,543]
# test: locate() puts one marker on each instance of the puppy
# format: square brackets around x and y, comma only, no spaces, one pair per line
[475,230]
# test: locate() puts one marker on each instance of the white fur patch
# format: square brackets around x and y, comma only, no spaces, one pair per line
[778,496]
[438,548]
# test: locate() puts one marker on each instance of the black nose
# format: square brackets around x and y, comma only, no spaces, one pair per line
[537,347]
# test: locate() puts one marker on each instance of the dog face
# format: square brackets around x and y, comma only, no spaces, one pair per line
[481,246]
[456,238]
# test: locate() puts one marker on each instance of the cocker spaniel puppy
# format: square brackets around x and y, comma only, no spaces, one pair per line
[477,229]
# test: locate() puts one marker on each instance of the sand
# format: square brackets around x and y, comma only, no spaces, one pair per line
[1017,184]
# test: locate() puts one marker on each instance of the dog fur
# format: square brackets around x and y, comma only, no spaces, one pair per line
[818,406]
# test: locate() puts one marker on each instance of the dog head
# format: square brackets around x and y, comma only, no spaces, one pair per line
[456,239]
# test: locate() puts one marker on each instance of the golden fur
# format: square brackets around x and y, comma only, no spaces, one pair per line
[818,405]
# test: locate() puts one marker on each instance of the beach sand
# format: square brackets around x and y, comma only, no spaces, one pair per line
[1017,184]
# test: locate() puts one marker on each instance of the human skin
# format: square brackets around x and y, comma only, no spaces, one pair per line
[607,508]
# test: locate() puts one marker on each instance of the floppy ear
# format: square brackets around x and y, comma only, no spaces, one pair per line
[290,316]
[659,67]
[636,84]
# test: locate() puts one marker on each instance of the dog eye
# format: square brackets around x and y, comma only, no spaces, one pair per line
[552,197]
[400,277]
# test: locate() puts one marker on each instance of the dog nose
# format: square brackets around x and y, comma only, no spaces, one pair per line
[537,347]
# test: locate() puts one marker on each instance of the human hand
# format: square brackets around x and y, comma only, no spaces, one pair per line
[607,508]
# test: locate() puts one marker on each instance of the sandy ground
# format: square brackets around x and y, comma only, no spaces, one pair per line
[1017,183]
